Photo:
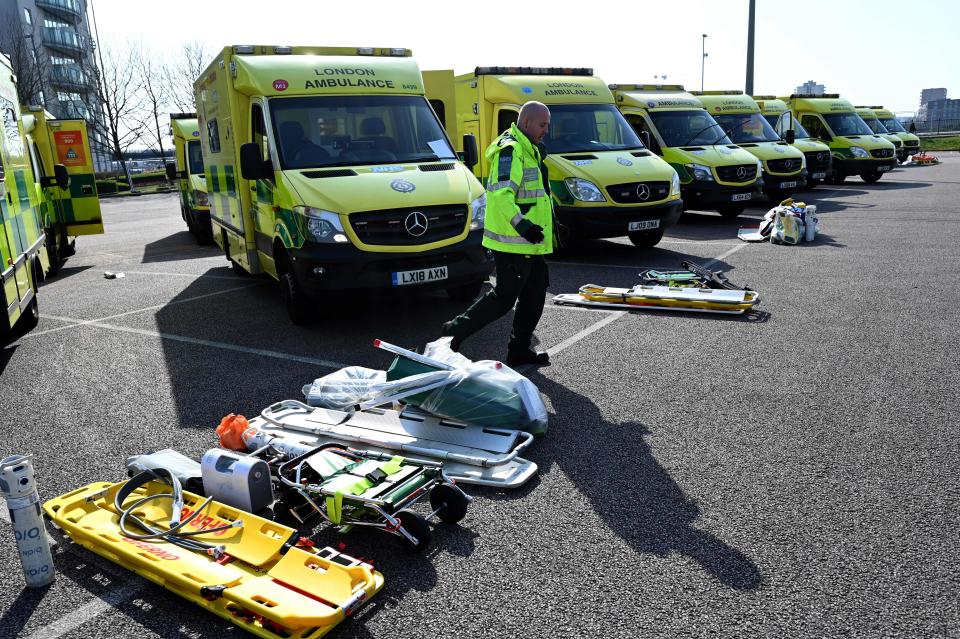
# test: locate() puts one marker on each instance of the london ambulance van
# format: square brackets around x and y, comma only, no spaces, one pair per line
[911,143]
[856,149]
[327,169]
[870,117]
[714,172]
[23,258]
[187,169]
[66,213]
[784,167]
[603,181]
[817,153]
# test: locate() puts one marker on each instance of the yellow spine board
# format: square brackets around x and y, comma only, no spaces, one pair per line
[636,297]
[301,593]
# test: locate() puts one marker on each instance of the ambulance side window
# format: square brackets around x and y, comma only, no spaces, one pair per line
[213,136]
[505,118]
[813,125]
[38,169]
[640,125]
[259,131]
[441,110]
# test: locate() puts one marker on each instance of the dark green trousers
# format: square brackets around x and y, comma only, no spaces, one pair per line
[521,280]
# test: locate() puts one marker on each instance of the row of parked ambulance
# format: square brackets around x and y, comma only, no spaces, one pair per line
[347,168]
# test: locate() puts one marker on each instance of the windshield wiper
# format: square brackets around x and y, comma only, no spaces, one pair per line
[694,136]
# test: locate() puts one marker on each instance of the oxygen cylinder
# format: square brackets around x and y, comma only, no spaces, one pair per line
[20,491]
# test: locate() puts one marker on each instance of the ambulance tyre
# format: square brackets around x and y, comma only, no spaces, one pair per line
[812,184]
[450,503]
[730,210]
[466,292]
[871,177]
[645,239]
[416,526]
[836,178]
[778,196]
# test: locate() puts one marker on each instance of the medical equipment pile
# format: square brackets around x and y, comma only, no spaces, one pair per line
[788,223]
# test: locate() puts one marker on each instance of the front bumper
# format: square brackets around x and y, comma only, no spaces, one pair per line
[344,267]
[847,167]
[696,193]
[614,221]
[784,182]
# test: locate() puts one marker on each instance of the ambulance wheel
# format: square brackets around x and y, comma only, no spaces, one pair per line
[31,316]
[778,196]
[871,177]
[450,503]
[237,269]
[294,298]
[836,178]
[465,292]
[730,210]
[416,526]
[812,184]
[52,254]
[645,239]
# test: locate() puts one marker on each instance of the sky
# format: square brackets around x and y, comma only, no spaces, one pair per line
[874,52]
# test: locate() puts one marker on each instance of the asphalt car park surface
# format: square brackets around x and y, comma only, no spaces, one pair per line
[788,473]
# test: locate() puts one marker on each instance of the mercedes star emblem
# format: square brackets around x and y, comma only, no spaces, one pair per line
[416,224]
[643,192]
[742,172]
[788,164]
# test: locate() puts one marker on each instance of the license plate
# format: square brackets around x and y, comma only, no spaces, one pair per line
[788,185]
[740,197]
[817,176]
[643,226]
[420,276]
[881,169]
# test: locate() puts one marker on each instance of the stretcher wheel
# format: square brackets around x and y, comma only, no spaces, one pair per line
[416,526]
[450,503]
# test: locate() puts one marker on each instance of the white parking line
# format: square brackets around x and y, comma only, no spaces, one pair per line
[77,322]
[724,255]
[593,328]
[88,611]
[232,278]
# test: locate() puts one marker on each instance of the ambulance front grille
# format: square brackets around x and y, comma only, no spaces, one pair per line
[786,165]
[882,153]
[635,193]
[817,161]
[405,227]
[737,173]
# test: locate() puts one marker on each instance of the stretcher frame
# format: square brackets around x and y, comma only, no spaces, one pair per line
[644,297]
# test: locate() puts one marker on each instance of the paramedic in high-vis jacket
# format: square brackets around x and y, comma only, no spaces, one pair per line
[518,229]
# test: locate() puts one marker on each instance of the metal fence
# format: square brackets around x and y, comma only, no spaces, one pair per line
[945,125]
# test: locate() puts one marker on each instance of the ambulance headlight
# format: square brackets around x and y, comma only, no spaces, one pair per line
[478,211]
[323,226]
[584,191]
[675,184]
[859,152]
[202,197]
[700,172]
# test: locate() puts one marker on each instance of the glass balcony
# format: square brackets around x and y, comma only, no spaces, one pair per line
[69,9]
[74,109]
[69,76]
[62,39]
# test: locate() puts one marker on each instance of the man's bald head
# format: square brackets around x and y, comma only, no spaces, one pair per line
[534,121]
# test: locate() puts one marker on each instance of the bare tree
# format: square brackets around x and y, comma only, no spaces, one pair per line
[120,91]
[28,61]
[155,98]
[183,71]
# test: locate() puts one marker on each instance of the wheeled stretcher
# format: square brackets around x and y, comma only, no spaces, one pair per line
[469,454]
[255,573]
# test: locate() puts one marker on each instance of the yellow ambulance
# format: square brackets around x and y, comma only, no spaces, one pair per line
[603,181]
[328,170]
[870,117]
[714,172]
[911,143]
[784,167]
[66,213]
[817,153]
[187,169]
[856,149]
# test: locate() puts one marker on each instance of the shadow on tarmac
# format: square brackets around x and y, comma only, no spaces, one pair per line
[174,248]
[615,470]
[20,611]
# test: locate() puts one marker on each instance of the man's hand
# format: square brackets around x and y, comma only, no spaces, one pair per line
[529,231]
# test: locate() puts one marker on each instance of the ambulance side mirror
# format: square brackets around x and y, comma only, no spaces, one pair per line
[645,136]
[252,166]
[470,155]
[791,136]
[171,170]
[61,177]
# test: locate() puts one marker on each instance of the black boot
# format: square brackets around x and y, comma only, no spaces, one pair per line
[530,356]
[449,329]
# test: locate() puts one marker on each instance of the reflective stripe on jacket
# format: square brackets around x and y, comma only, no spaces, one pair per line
[515,191]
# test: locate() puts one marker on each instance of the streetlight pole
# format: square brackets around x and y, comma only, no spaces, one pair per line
[703,59]
[751,23]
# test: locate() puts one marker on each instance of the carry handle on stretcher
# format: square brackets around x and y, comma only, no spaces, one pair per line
[267,414]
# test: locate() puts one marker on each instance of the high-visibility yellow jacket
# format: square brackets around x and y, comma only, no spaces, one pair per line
[516,192]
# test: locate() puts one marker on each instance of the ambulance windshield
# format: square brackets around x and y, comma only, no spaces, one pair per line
[688,126]
[320,131]
[893,125]
[588,127]
[747,127]
[847,124]
[195,157]
[782,122]
[875,125]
